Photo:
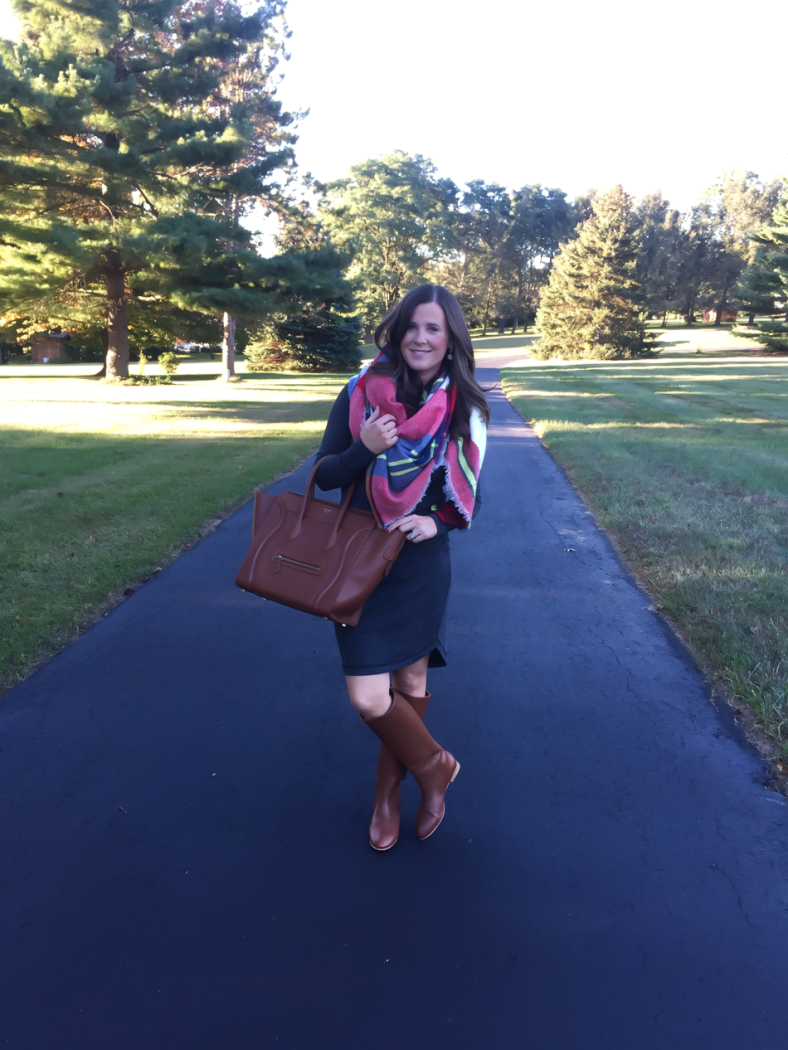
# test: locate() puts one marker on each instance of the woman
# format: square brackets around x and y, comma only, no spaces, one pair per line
[410,431]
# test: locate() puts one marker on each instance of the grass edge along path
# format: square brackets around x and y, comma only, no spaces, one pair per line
[101,486]
[683,465]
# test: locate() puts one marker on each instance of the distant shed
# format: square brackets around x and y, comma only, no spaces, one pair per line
[49,348]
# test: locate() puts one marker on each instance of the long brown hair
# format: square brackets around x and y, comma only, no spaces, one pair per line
[461,368]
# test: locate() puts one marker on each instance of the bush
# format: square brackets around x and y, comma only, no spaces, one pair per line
[11,352]
[263,355]
[145,381]
[169,362]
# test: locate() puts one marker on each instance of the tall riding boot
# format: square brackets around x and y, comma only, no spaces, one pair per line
[404,733]
[384,826]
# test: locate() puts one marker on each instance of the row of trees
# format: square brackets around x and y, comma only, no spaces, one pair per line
[495,247]
[136,136]
[626,258]
[402,225]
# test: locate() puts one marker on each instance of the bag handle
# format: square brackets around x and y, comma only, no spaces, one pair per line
[309,493]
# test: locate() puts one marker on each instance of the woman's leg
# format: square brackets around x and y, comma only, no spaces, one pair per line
[411,682]
[369,694]
[406,736]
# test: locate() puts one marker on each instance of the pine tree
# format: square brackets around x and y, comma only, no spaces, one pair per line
[592,305]
[326,339]
[759,287]
[769,276]
[120,152]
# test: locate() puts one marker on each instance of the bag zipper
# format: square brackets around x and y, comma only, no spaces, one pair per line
[300,564]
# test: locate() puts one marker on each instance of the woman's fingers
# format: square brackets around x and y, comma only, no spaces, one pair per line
[379,433]
[402,524]
[417,527]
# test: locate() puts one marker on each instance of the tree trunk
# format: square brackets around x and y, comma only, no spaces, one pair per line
[117,359]
[501,326]
[228,347]
[514,325]
[750,318]
[721,306]
[486,309]
[665,318]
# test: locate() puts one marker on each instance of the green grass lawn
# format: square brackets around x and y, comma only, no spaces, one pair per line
[102,484]
[684,460]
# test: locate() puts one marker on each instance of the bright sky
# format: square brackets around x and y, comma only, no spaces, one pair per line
[664,95]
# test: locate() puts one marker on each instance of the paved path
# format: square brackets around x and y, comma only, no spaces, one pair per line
[611,874]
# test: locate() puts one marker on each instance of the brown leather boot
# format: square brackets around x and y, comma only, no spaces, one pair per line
[404,733]
[384,826]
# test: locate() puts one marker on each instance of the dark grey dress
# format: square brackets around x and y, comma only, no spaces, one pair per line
[404,617]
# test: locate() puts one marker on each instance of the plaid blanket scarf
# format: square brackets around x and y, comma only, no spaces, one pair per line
[398,478]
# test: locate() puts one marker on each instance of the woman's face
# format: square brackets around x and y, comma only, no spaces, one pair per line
[426,341]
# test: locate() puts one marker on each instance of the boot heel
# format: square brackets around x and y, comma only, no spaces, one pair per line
[454,774]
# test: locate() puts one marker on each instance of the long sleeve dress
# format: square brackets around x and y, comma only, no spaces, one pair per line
[404,617]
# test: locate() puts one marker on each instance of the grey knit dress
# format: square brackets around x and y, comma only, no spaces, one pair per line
[404,617]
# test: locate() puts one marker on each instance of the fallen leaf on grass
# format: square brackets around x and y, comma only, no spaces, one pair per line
[47,569]
[61,494]
[90,539]
[755,629]
[782,767]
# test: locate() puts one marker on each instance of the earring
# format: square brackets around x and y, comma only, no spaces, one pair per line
[450,354]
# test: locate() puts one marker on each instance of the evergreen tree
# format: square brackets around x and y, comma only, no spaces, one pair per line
[327,339]
[769,274]
[120,151]
[592,305]
[759,286]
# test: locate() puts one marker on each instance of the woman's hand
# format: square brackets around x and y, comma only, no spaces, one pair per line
[417,527]
[379,432]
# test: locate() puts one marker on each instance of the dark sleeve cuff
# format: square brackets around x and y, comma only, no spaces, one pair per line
[442,526]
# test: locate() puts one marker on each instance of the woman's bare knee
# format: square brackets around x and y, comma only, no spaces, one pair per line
[369,694]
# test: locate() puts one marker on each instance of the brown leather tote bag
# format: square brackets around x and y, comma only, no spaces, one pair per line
[319,557]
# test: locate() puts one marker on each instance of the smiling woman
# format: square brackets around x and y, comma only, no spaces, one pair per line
[409,433]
